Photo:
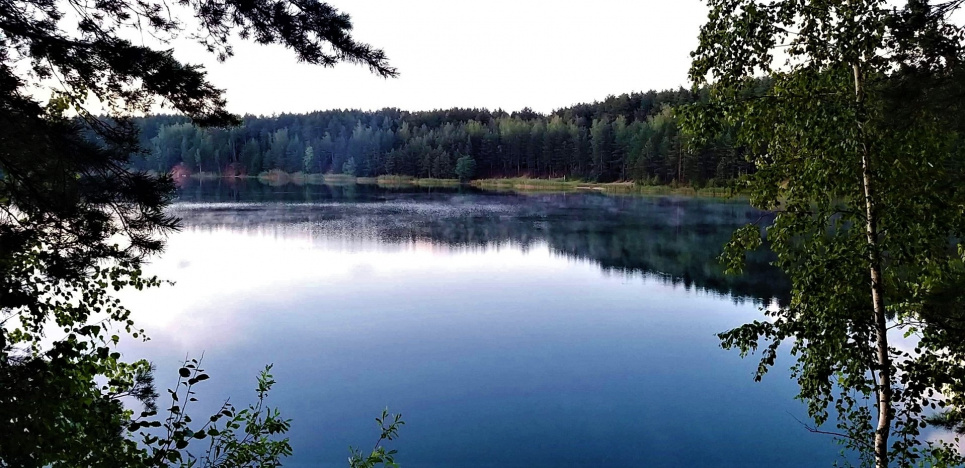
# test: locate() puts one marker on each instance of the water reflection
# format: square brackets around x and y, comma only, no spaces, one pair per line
[674,239]
[490,321]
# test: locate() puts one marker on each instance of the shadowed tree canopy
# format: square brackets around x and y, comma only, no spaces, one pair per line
[76,221]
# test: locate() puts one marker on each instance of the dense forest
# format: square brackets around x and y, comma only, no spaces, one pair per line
[627,137]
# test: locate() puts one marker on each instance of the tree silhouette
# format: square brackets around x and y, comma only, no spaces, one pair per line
[76,221]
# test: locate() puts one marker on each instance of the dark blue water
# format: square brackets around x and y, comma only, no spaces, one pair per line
[570,330]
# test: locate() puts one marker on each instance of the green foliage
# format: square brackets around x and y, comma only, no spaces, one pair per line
[465,168]
[235,439]
[308,161]
[350,168]
[389,427]
[868,204]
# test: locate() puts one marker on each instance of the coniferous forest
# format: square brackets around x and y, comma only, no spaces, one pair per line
[632,137]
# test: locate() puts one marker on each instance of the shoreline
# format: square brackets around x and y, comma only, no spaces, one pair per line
[510,184]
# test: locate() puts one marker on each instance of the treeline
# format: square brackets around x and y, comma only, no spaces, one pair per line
[628,137]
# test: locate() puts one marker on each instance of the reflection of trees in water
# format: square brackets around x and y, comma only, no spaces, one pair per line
[251,190]
[674,239]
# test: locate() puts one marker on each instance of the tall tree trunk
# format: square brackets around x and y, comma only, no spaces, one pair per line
[883,389]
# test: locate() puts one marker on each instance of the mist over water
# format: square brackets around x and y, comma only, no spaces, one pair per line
[510,330]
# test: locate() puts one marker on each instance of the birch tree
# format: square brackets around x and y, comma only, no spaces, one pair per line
[862,165]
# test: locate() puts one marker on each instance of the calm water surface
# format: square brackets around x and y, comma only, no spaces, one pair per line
[565,330]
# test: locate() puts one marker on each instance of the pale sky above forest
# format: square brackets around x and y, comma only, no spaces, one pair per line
[509,54]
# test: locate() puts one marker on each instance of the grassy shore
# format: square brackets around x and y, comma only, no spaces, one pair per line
[301,178]
[518,184]
[523,184]
[407,181]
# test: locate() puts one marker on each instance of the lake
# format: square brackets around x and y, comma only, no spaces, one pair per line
[537,330]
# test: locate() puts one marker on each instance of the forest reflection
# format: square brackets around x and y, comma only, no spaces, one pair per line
[673,239]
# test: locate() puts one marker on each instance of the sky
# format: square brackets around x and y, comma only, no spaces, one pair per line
[509,54]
